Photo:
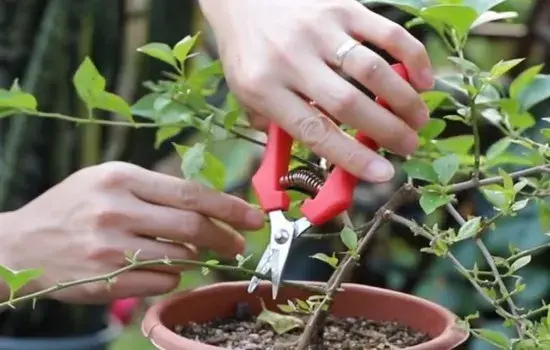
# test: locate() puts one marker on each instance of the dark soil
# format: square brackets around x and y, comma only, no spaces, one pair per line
[243,332]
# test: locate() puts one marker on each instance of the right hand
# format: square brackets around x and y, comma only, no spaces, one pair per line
[279,55]
[83,226]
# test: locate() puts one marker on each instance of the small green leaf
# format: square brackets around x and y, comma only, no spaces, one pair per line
[498,147]
[331,260]
[497,196]
[113,103]
[535,92]
[491,16]
[469,229]
[18,279]
[432,129]
[455,16]
[430,201]
[519,263]
[144,107]
[461,144]
[88,82]
[420,169]
[446,167]
[280,323]
[200,165]
[183,47]
[17,100]
[502,67]
[286,308]
[467,67]
[524,79]
[164,133]
[495,338]
[545,132]
[349,238]
[517,206]
[433,99]
[159,51]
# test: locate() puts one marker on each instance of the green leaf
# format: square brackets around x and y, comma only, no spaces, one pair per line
[458,17]
[534,93]
[110,102]
[516,117]
[461,144]
[183,47]
[467,67]
[200,165]
[159,51]
[498,147]
[519,263]
[545,132]
[198,79]
[497,196]
[495,338]
[280,323]
[434,99]
[430,201]
[432,129]
[492,16]
[502,67]
[17,99]
[331,260]
[469,229]
[446,167]
[517,206]
[349,238]
[88,82]
[18,279]
[164,133]
[420,169]
[144,107]
[524,79]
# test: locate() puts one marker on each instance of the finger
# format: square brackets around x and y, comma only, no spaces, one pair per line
[324,138]
[374,73]
[189,227]
[350,106]
[366,25]
[186,195]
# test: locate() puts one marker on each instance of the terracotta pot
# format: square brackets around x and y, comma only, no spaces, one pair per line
[219,300]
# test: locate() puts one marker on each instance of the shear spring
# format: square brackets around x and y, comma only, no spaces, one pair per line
[302,179]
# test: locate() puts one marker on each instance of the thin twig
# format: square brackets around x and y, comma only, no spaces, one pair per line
[149,263]
[492,265]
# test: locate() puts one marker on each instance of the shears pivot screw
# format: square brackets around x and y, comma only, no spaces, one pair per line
[281,236]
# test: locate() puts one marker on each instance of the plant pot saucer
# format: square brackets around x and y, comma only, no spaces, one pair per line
[219,300]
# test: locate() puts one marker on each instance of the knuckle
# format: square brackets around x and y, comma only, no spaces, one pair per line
[346,101]
[373,68]
[106,215]
[395,33]
[190,193]
[250,83]
[113,174]
[417,50]
[314,131]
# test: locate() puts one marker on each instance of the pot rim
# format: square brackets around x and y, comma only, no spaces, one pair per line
[152,327]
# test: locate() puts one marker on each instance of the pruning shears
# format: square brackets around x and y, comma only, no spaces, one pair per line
[334,197]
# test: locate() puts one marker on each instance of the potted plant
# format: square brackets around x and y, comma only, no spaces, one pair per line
[309,314]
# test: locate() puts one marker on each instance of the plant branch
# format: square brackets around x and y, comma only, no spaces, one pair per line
[467,185]
[109,277]
[414,227]
[492,265]
[344,269]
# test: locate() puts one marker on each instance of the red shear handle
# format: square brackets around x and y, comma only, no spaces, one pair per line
[274,165]
[336,194]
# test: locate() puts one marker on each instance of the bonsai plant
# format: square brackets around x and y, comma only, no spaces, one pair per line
[309,314]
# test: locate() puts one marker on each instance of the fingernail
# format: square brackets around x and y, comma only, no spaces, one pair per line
[427,78]
[254,218]
[422,117]
[379,170]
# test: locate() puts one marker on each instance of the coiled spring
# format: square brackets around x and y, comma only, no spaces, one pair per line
[302,179]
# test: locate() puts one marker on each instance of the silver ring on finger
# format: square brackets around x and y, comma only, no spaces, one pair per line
[344,50]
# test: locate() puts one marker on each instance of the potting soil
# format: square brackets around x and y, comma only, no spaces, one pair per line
[244,332]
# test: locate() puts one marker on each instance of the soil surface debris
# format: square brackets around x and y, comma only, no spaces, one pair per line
[244,332]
